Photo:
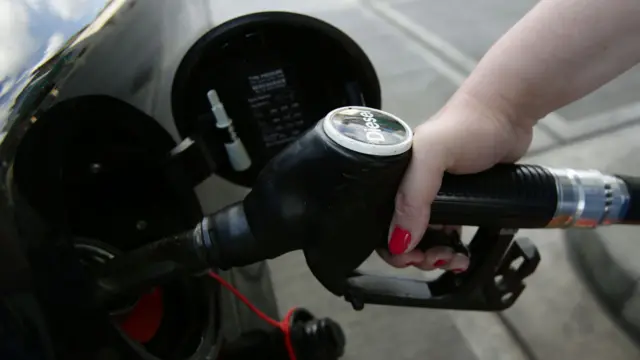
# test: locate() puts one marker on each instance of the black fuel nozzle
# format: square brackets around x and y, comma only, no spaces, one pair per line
[331,194]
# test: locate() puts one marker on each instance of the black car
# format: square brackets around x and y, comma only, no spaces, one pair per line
[97,102]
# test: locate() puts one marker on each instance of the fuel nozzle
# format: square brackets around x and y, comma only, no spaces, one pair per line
[331,194]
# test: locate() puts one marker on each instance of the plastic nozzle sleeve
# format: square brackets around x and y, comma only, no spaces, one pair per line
[508,196]
[227,240]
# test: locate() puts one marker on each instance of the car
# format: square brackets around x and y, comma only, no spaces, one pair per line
[97,103]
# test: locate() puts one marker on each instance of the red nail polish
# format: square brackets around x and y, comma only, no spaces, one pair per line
[400,240]
[439,263]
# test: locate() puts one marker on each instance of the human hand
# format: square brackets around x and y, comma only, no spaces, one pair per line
[465,137]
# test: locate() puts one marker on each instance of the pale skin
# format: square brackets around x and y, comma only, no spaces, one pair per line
[559,52]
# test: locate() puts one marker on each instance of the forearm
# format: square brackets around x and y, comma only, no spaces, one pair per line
[559,52]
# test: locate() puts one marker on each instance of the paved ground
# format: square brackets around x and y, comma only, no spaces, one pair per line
[422,50]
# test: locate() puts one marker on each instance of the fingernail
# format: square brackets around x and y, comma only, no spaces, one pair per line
[439,263]
[459,263]
[400,240]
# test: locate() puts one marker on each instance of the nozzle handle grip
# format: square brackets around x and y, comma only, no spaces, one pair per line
[632,211]
[507,195]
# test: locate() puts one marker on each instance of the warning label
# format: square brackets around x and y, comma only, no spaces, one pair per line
[276,108]
[268,81]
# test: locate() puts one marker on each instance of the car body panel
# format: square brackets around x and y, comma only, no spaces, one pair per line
[53,51]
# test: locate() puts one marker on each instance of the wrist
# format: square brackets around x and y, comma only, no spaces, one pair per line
[477,135]
[495,107]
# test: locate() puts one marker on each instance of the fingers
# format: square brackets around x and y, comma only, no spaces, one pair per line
[442,257]
[418,189]
[412,258]
[459,263]
[435,258]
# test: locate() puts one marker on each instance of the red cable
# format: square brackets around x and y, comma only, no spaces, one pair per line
[282,325]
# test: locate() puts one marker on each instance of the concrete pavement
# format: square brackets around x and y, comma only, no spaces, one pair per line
[422,50]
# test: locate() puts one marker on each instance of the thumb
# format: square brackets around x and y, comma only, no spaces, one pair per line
[417,191]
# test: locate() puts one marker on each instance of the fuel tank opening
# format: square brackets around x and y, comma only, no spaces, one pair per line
[177,320]
[138,316]
[93,168]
